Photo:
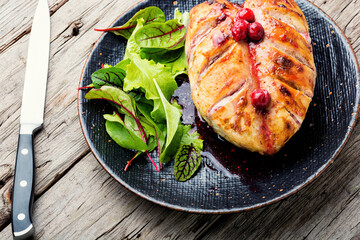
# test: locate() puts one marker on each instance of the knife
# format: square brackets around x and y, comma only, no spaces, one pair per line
[31,120]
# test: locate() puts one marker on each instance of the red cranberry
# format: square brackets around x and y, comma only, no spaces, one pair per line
[260,98]
[256,31]
[240,30]
[246,14]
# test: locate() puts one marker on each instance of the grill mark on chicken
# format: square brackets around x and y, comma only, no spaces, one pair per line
[284,62]
[291,10]
[214,18]
[228,98]
[285,91]
[293,54]
[196,41]
[287,82]
[296,120]
[220,55]
[304,34]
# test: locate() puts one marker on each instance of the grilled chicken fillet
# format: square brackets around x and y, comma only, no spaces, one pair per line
[224,73]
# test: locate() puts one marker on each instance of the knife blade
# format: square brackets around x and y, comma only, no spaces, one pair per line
[31,120]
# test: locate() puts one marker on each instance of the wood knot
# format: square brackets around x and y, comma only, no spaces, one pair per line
[76,27]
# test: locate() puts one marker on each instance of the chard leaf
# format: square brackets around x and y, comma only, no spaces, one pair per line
[161,55]
[109,76]
[149,14]
[186,162]
[132,48]
[168,35]
[115,96]
[124,135]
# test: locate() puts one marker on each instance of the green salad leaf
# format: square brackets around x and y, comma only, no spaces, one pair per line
[149,15]
[132,48]
[172,115]
[183,18]
[186,162]
[123,64]
[179,66]
[109,76]
[121,132]
[141,86]
[191,138]
[161,55]
[168,35]
[140,75]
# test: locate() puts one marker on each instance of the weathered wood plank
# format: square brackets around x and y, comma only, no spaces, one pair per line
[102,209]
[61,143]
[19,15]
[94,206]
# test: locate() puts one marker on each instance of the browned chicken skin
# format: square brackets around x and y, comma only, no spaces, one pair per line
[223,72]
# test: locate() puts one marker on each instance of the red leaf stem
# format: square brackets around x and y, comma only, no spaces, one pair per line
[86,87]
[142,132]
[152,161]
[129,162]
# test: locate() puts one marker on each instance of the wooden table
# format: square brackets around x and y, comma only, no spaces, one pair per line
[76,199]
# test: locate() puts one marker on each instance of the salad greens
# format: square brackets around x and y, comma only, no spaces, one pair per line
[149,15]
[140,87]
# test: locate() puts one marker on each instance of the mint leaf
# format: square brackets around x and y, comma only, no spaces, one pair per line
[149,15]
[186,162]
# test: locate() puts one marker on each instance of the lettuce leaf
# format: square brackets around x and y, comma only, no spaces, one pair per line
[140,75]
[172,115]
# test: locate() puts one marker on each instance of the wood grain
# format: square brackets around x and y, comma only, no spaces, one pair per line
[77,199]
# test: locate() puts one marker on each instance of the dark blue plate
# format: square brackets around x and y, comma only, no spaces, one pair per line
[230,179]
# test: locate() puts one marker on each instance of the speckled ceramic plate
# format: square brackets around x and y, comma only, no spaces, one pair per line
[249,180]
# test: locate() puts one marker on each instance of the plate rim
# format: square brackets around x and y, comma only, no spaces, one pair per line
[307,182]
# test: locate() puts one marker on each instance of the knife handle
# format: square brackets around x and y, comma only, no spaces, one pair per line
[23,190]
